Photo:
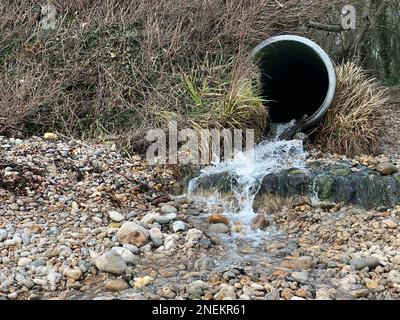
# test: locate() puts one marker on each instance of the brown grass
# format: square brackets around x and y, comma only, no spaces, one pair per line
[115,68]
[352,125]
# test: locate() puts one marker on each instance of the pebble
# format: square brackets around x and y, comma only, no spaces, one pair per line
[204,263]
[116,216]
[111,262]
[156,236]
[194,235]
[300,276]
[168,209]
[116,285]
[50,136]
[394,277]
[361,263]
[219,228]
[164,219]
[386,168]
[23,262]
[3,234]
[357,294]
[390,223]
[260,222]
[132,248]
[127,255]
[218,218]
[133,233]
[178,226]
[72,273]
[326,294]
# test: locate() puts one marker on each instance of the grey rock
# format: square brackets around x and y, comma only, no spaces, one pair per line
[3,234]
[178,226]
[127,255]
[196,288]
[38,263]
[156,237]
[23,262]
[116,216]
[394,276]
[111,262]
[205,243]
[219,228]
[300,276]
[168,209]
[132,248]
[164,219]
[204,263]
[194,235]
[361,263]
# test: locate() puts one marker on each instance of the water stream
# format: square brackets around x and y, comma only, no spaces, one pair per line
[249,168]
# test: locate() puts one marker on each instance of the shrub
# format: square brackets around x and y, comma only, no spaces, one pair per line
[352,124]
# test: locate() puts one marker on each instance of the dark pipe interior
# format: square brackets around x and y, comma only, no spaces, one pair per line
[294,79]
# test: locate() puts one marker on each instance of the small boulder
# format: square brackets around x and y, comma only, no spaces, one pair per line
[111,262]
[386,168]
[133,233]
[361,263]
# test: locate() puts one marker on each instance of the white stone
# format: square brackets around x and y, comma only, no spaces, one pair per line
[116,216]
[178,226]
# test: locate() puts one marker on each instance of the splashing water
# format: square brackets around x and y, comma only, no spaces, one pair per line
[249,168]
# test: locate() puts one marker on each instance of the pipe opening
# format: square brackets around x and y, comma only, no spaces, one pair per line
[297,78]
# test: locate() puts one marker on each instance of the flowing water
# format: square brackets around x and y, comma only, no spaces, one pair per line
[249,168]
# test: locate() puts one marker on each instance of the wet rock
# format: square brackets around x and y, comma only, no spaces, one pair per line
[219,228]
[386,168]
[133,233]
[260,222]
[205,243]
[204,263]
[301,201]
[196,288]
[218,218]
[111,262]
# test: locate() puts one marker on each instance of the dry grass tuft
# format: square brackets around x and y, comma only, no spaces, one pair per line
[352,124]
